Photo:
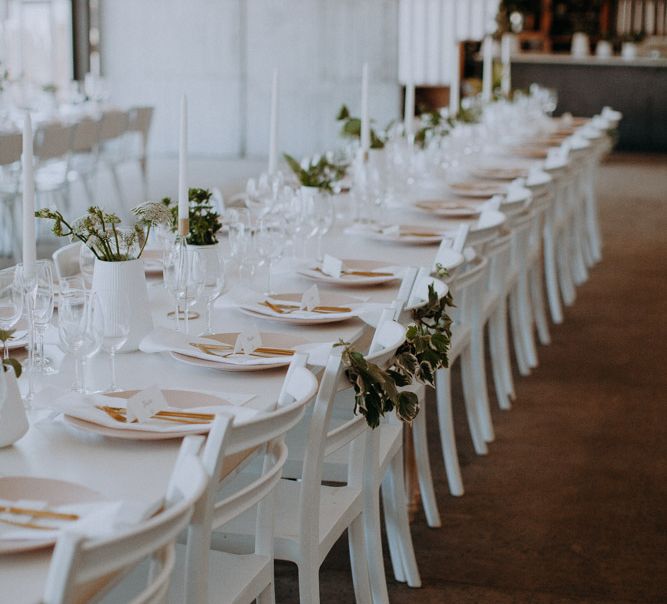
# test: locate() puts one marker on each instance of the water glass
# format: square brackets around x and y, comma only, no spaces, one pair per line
[213,269]
[270,240]
[81,330]
[116,313]
[184,278]
[11,301]
[42,312]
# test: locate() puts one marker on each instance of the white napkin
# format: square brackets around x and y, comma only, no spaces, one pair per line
[83,406]
[310,298]
[517,191]
[96,518]
[537,176]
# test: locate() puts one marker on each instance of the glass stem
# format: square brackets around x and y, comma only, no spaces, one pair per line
[268,278]
[78,375]
[178,320]
[6,352]
[319,247]
[209,318]
[112,354]
[40,333]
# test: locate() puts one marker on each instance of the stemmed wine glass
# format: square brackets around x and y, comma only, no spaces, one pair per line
[11,302]
[42,312]
[81,329]
[240,240]
[116,317]
[323,215]
[213,270]
[270,242]
[184,278]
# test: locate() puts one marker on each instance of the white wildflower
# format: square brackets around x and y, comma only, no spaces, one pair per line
[153,213]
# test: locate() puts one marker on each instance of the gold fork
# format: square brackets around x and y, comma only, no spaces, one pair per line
[262,351]
[285,309]
[120,415]
[19,511]
[31,525]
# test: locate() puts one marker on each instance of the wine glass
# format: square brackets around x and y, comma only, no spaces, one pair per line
[81,330]
[42,312]
[213,270]
[86,264]
[323,215]
[116,316]
[184,278]
[270,242]
[11,302]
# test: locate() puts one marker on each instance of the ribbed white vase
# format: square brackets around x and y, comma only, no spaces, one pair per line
[127,278]
[13,421]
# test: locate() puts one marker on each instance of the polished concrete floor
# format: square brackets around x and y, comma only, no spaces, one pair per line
[569,506]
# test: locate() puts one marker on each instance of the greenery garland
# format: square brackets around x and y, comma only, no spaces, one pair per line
[204,220]
[318,172]
[352,128]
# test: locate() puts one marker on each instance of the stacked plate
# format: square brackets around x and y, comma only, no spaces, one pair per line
[354,273]
[286,308]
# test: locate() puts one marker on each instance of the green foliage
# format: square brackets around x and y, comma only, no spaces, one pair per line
[433,124]
[204,220]
[8,334]
[376,390]
[351,128]
[320,172]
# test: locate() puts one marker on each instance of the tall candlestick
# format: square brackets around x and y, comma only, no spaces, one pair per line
[183,201]
[506,58]
[365,124]
[455,71]
[409,109]
[487,69]
[273,128]
[29,242]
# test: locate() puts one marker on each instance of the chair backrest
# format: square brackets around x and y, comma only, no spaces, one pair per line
[449,258]
[53,141]
[229,444]
[11,146]
[86,135]
[113,124]
[139,120]
[82,568]
[66,260]
[467,288]
[486,228]
[521,230]
[499,254]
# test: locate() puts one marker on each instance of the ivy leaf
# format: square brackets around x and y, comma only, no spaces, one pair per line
[18,369]
[343,113]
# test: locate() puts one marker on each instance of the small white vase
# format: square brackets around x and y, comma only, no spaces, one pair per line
[127,278]
[629,50]
[13,421]
[580,45]
[604,49]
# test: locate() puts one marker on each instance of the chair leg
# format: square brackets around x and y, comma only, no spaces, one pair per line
[423,461]
[355,533]
[479,380]
[118,187]
[564,270]
[373,534]
[499,357]
[390,521]
[396,486]
[526,320]
[537,299]
[515,321]
[469,396]
[309,579]
[447,438]
[268,596]
[551,275]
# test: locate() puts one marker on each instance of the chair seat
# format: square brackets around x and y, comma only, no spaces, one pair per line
[232,578]
[338,507]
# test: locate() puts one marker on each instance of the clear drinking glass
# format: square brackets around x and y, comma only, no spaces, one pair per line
[86,265]
[184,278]
[213,270]
[270,240]
[11,301]
[116,317]
[323,218]
[81,330]
[42,312]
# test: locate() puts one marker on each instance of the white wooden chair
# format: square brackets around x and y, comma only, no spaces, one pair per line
[113,126]
[138,129]
[82,569]
[217,575]
[10,172]
[310,516]
[52,147]
[84,155]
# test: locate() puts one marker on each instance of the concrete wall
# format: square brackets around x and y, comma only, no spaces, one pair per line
[222,53]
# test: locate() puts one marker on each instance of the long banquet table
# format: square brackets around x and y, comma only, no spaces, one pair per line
[139,470]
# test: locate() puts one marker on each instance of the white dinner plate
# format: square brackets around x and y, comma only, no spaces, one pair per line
[302,317]
[53,492]
[311,271]
[269,339]
[179,399]
[409,234]
[499,172]
[447,209]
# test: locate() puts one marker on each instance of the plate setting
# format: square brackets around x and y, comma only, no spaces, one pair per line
[352,272]
[447,208]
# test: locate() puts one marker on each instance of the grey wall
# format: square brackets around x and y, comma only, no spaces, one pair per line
[222,52]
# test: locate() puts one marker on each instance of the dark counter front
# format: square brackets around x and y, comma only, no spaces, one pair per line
[639,91]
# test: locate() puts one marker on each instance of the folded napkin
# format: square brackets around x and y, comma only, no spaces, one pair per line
[517,191]
[537,176]
[84,406]
[97,519]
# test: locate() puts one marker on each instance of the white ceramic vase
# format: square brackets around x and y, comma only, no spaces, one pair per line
[629,50]
[580,45]
[13,420]
[127,278]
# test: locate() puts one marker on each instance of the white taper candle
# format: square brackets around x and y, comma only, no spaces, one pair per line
[273,128]
[29,241]
[487,69]
[365,123]
[183,202]
[506,58]
[455,68]
[409,109]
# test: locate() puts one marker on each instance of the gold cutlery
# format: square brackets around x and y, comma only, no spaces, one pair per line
[181,417]
[285,309]
[359,273]
[262,351]
[20,511]
[418,234]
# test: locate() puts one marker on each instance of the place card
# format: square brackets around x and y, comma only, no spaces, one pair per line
[332,266]
[145,404]
[310,298]
[248,341]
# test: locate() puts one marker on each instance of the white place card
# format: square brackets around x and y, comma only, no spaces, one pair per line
[145,404]
[310,298]
[248,340]
[332,266]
